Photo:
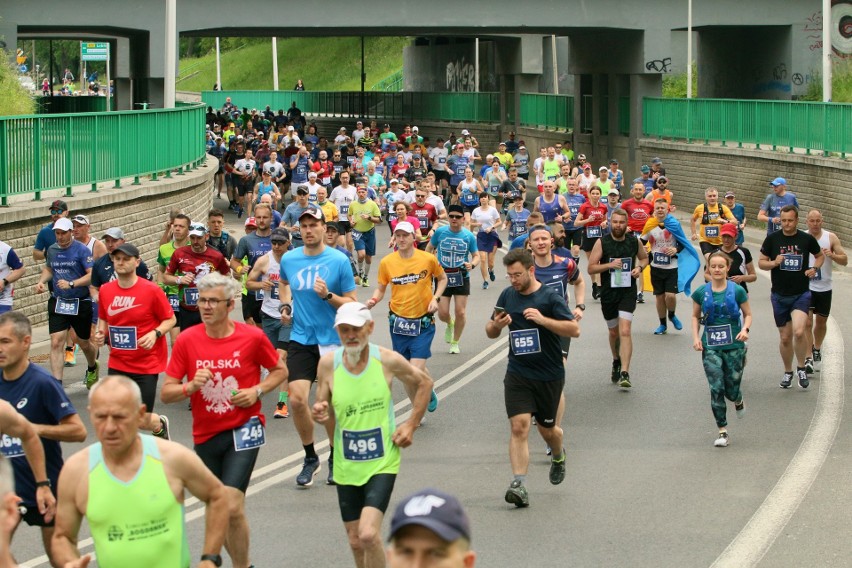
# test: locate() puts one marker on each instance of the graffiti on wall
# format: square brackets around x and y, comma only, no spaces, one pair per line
[461,76]
[659,65]
[840,27]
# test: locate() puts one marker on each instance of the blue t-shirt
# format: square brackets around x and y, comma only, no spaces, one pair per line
[300,172]
[519,242]
[69,264]
[103,271]
[313,317]
[45,238]
[252,246]
[574,200]
[772,207]
[738,211]
[559,275]
[454,249]
[40,399]
[292,214]
[517,222]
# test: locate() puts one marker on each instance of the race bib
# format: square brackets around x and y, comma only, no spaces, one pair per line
[711,231]
[593,232]
[190,296]
[67,306]
[424,223]
[344,209]
[818,274]
[552,178]
[405,326]
[718,335]
[662,259]
[524,341]
[363,445]
[174,302]
[455,279]
[122,337]
[250,435]
[261,294]
[792,262]
[620,277]
[356,235]
[574,209]
[11,447]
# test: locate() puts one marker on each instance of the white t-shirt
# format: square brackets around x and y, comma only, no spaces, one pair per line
[357,134]
[487,219]
[342,197]
[439,159]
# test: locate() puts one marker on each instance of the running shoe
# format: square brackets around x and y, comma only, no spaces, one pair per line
[365,283]
[485,285]
[548,451]
[454,348]
[310,468]
[433,402]
[803,378]
[740,406]
[817,355]
[330,479]
[616,370]
[661,330]
[450,331]
[722,440]
[787,380]
[491,275]
[70,357]
[624,382]
[640,298]
[809,366]
[240,212]
[596,291]
[164,429]
[517,495]
[676,323]
[557,470]
[92,376]
[281,411]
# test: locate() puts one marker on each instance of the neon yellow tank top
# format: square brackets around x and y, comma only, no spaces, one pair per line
[138,523]
[363,407]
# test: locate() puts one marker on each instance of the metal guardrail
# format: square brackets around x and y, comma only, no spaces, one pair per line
[391,84]
[822,127]
[547,111]
[45,152]
[449,107]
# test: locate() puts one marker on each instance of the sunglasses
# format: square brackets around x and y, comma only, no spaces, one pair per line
[56,211]
[456,216]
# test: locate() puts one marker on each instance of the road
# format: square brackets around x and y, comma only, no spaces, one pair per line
[644,485]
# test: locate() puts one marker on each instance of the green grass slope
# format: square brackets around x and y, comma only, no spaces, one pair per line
[323,64]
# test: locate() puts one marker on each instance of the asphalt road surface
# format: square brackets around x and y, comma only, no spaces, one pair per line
[644,487]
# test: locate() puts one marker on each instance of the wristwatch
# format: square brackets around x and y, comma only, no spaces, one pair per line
[216,559]
[158,333]
[45,483]
[581,307]
[70,283]
[327,297]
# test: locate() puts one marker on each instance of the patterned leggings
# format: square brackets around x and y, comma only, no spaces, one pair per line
[724,370]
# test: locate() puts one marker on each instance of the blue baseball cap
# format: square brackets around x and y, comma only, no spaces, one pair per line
[435,510]
[778,181]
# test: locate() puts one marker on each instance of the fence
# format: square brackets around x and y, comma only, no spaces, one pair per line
[548,111]
[824,127]
[44,152]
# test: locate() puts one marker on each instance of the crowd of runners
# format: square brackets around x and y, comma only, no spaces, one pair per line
[311,205]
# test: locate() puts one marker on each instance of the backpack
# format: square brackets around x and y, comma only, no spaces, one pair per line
[708,306]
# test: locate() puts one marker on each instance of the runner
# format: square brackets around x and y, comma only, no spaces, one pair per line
[188,265]
[133,470]
[739,212]
[595,220]
[135,316]
[315,280]
[430,527]
[42,402]
[364,215]
[770,209]
[516,218]
[180,232]
[741,268]
[710,215]
[718,305]
[426,215]
[354,391]
[11,270]
[68,266]
[342,196]
[251,247]
[821,285]
[575,200]
[552,206]
[485,219]
[217,237]
[664,268]
[221,361]
[638,211]
[537,317]
[103,270]
[620,257]
[411,273]
[456,250]
[263,279]
[785,252]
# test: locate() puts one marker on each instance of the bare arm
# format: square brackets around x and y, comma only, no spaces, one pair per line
[766,264]
[69,429]
[68,514]
[835,251]
[413,378]
[377,295]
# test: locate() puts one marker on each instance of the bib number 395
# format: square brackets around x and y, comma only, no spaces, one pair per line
[250,435]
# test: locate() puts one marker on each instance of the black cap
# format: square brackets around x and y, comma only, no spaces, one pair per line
[435,510]
[302,190]
[59,204]
[455,209]
[332,226]
[279,234]
[127,249]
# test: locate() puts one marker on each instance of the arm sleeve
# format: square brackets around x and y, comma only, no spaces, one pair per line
[13,261]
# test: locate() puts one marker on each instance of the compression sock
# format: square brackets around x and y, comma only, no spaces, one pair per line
[282,396]
[310,452]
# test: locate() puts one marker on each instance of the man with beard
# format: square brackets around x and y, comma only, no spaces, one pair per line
[355,381]
[639,212]
[621,260]
[536,317]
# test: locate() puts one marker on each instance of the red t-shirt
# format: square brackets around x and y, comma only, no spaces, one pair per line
[426,215]
[235,362]
[131,313]
[185,261]
[637,213]
[597,214]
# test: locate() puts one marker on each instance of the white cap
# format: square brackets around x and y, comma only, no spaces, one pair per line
[354,314]
[63,224]
[465,132]
[404,226]
[114,232]
[415,129]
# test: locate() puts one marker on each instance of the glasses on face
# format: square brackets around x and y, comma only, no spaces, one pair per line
[56,211]
[211,301]
[456,216]
[662,183]
[419,195]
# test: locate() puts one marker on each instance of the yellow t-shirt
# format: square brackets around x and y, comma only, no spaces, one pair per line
[411,282]
[356,208]
[329,209]
[713,235]
[505,158]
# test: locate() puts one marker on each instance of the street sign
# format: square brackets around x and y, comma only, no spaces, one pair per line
[94,51]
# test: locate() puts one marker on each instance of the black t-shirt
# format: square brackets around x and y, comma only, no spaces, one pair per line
[512,188]
[535,352]
[611,248]
[740,258]
[789,279]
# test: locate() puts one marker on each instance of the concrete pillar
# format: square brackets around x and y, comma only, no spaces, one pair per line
[646,85]
[578,104]
[612,113]
[597,96]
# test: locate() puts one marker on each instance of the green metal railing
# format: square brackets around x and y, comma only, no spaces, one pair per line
[547,111]
[390,84]
[823,127]
[623,115]
[45,152]
[449,107]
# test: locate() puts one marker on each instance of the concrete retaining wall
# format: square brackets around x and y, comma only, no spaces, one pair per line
[140,211]
[817,181]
